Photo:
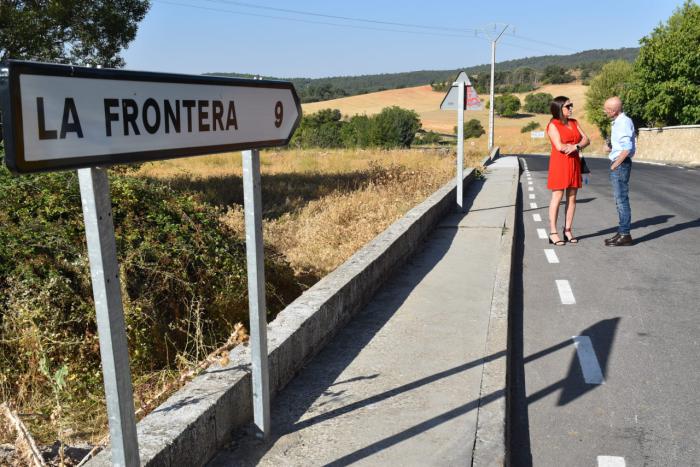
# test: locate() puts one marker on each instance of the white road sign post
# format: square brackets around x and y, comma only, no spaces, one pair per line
[461,97]
[60,117]
[252,200]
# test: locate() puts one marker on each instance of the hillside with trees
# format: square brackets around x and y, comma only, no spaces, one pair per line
[521,75]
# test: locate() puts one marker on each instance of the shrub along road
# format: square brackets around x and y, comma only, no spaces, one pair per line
[605,339]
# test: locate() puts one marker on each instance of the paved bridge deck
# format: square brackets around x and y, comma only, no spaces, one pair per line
[401,383]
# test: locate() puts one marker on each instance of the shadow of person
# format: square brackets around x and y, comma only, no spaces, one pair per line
[649,221]
[668,230]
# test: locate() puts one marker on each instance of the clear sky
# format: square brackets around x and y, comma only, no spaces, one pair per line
[256,36]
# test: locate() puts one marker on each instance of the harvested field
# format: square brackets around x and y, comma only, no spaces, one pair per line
[426,103]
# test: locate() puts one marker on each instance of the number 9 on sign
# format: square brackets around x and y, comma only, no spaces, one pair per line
[279,114]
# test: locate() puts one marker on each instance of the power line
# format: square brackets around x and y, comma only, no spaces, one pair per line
[198,7]
[477,33]
[537,41]
[346,18]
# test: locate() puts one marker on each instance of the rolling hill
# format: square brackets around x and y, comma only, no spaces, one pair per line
[311,90]
[426,103]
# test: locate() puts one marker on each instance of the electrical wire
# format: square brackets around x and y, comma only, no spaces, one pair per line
[346,18]
[198,7]
[478,33]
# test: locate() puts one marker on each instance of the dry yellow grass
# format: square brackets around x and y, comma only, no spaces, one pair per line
[320,205]
[426,103]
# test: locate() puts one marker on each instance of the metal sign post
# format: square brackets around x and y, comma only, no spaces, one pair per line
[461,97]
[59,117]
[460,147]
[104,269]
[252,200]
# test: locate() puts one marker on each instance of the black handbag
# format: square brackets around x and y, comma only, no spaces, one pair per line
[584,166]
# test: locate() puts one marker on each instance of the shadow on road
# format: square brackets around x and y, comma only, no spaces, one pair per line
[648,222]
[319,377]
[572,386]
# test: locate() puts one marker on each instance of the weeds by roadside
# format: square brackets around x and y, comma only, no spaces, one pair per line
[180,239]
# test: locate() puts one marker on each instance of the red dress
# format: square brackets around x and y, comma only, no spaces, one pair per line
[564,170]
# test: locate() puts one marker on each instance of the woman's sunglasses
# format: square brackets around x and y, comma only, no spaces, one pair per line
[569,106]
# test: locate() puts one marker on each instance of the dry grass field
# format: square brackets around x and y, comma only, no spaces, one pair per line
[319,206]
[426,103]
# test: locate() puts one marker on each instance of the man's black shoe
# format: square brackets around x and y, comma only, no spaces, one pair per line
[622,240]
[610,240]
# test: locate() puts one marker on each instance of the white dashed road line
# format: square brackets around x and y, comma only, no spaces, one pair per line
[611,461]
[541,233]
[532,196]
[537,218]
[530,188]
[588,361]
[551,256]
[565,293]
[533,205]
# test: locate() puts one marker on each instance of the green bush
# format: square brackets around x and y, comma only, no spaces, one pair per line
[506,105]
[538,102]
[428,137]
[357,132]
[394,127]
[665,85]
[555,74]
[611,81]
[322,129]
[443,86]
[472,129]
[533,125]
[183,278]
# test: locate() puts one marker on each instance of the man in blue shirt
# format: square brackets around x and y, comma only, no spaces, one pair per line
[621,147]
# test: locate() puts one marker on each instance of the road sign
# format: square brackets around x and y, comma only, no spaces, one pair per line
[536,134]
[60,117]
[471,99]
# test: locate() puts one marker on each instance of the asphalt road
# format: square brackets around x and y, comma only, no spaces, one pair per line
[606,341]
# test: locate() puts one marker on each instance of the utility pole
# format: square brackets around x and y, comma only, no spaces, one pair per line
[493,66]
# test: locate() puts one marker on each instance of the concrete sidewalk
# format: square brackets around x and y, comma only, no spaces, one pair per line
[404,381]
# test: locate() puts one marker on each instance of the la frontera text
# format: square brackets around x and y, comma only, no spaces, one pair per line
[125,117]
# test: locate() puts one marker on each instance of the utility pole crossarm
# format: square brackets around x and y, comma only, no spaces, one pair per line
[491,98]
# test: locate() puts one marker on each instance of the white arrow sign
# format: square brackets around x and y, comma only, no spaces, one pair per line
[64,117]
[451,98]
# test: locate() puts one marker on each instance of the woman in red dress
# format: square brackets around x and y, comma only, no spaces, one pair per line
[567,140]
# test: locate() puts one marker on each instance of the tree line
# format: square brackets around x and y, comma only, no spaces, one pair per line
[393,127]
[662,86]
[320,89]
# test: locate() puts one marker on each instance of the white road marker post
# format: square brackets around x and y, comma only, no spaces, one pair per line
[104,270]
[252,200]
[460,147]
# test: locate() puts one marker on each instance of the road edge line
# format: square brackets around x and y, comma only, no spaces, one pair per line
[491,443]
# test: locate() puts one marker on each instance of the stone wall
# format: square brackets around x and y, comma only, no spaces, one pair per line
[670,144]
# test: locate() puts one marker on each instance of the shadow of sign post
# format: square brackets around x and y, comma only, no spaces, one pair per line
[59,117]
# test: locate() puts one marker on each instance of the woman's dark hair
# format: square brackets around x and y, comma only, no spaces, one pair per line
[556,106]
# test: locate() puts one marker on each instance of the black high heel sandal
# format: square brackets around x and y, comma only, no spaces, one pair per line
[571,239]
[558,242]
